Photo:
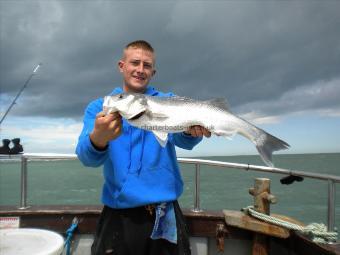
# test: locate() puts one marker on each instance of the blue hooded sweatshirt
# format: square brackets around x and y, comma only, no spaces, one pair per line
[137,170]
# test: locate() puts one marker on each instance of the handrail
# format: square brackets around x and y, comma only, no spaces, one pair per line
[40,156]
[331,179]
[248,167]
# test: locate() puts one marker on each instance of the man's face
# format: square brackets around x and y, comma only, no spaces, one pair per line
[137,68]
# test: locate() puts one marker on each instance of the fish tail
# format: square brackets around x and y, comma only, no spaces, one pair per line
[266,144]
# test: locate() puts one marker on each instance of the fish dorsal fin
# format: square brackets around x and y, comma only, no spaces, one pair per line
[180,98]
[219,102]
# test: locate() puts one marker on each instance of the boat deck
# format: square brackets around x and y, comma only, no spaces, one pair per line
[208,224]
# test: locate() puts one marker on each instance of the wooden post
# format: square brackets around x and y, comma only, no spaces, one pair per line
[262,200]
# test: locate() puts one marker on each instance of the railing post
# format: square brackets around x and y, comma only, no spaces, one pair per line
[197,206]
[331,205]
[23,187]
[262,200]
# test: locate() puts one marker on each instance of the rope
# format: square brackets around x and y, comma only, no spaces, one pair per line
[317,232]
[69,233]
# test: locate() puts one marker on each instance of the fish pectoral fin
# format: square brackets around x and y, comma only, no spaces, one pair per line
[162,137]
[158,115]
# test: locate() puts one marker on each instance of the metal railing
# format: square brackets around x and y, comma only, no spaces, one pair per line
[331,179]
[35,156]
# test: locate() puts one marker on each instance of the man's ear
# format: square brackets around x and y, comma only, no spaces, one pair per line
[120,65]
[153,72]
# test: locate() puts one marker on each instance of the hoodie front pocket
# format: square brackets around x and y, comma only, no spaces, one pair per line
[154,186]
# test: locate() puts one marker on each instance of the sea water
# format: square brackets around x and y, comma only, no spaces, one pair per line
[67,182]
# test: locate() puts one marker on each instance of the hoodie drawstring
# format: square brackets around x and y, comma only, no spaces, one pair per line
[138,165]
[142,152]
[130,146]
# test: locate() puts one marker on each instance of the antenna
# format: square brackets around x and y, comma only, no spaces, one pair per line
[21,90]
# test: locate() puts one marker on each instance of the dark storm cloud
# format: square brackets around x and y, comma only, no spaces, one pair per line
[254,53]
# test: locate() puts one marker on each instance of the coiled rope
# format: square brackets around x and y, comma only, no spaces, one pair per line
[69,233]
[316,232]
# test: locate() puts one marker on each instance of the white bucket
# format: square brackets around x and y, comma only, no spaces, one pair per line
[26,241]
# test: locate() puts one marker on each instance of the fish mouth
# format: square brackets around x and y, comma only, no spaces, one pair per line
[137,116]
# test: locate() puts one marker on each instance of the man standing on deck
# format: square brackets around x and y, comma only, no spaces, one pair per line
[142,181]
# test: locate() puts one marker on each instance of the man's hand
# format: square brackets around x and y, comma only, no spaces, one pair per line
[197,131]
[106,128]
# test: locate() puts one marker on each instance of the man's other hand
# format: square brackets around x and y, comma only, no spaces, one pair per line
[197,131]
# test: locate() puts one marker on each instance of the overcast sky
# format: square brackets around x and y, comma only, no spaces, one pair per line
[276,62]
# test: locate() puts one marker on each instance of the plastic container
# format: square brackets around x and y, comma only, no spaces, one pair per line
[27,241]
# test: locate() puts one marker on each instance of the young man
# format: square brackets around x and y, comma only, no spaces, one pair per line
[142,181]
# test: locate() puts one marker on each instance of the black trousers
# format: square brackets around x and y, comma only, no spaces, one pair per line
[127,232]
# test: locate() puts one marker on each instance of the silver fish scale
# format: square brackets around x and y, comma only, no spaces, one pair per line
[179,113]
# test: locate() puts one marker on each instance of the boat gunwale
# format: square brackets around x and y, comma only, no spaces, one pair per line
[200,224]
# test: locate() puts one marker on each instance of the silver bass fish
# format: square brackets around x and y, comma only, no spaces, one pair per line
[163,115]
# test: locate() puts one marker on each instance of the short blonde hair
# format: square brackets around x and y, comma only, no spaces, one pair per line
[140,44]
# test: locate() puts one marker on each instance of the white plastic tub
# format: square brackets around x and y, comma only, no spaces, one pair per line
[25,241]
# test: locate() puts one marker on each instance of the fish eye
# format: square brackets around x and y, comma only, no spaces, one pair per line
[120,96]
